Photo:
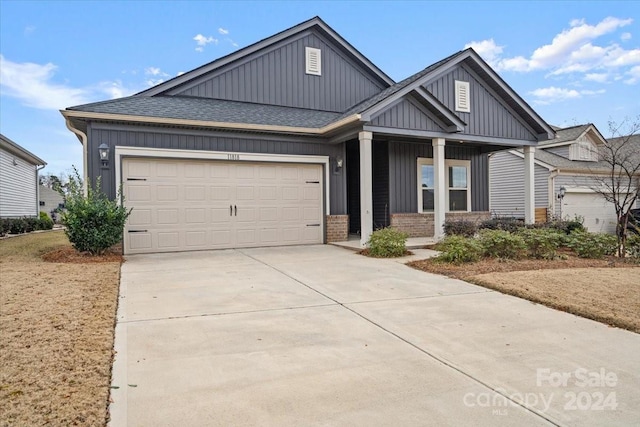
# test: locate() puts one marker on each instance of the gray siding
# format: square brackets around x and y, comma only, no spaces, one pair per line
[581,181]
[51,199]
[131,136]
[18,187]
[506,178]
[488,116]
[560,151]
[406,115]
[403,184]
[277,76]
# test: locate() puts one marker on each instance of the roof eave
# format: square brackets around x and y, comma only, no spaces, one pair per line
[17,150]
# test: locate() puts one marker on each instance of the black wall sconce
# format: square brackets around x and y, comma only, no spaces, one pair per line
[339,163]
[103,150]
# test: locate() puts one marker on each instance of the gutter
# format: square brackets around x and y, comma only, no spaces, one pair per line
[68,114]
[85,150]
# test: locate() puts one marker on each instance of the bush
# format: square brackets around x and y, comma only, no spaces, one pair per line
[460,228]
[593,245]
[44,222]
[567,226]
[459,249]
[502,244]
[93,222]
[542,242]
[507,224]
[633,246]
[17,226]
[387,243]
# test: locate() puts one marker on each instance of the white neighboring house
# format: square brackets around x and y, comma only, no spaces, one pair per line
[18,180]
[49,199]
[569,161]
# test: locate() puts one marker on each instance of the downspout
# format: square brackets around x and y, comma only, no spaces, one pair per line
[85,155]
[552,191]
[38,169]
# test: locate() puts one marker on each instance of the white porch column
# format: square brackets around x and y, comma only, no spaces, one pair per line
[439,185]
[529,185]
[366,187]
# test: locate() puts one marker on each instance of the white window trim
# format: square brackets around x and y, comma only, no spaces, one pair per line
[462,108]
[308,52]
[424,161]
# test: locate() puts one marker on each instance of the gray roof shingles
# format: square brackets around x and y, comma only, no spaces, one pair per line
[212,110]
[566,134]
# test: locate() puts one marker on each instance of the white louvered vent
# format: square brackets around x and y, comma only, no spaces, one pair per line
[314,61]
[463,102]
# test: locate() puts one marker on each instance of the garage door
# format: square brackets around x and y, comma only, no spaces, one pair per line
[599,215]
[185,205]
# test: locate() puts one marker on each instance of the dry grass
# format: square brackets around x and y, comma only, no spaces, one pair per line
[606,290]
[57,324]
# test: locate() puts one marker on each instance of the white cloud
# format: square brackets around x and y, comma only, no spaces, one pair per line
[29,29]
[180,73]
[553,94]
[33,85]
[570,51]
[625,36]
[634,75]
[202,41]
[153,71]
[597,77]
[223,31]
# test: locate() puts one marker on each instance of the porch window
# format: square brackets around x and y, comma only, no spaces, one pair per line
[457,185]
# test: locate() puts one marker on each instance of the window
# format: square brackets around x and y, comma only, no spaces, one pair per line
[457,184]
[313,61]
[463,102]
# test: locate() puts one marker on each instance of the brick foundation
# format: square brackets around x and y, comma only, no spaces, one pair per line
[337,228]
[421,224]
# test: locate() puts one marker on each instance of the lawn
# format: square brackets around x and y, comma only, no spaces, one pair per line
[57,322]
[606,290]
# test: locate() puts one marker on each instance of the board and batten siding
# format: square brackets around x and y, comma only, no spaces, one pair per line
[406,115]
[18,187]
[403,174]
[488,116]
[135,136]
[277,76]
[506,178]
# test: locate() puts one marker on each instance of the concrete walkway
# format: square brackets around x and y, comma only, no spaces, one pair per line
[319,335]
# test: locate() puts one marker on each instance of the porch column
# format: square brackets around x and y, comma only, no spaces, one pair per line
[529,185]
[366,187]
[439,185]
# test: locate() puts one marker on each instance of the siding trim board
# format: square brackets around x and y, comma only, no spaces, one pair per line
[455,137]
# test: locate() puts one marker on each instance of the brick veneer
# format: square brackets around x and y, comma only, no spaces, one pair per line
[421,224]
[337,228]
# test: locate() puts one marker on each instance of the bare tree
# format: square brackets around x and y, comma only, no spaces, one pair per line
[621,184]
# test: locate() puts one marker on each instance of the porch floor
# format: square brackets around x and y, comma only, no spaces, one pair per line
[412,242]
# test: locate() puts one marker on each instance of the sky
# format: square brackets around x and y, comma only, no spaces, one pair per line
[573,62]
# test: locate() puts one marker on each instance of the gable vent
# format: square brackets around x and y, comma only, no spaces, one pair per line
[463,103]
[314,61]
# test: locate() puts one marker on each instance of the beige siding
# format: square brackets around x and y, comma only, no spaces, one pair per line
[51,199]
[17,187]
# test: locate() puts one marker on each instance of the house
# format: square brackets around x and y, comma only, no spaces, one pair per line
[567,170]
[18,180]
[300,139]
[50,199]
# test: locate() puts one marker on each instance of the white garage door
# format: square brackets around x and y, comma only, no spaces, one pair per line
[185,205]
[599,215]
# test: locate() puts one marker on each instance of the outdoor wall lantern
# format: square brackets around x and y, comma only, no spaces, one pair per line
[338,165]
[103,149]
[561,194]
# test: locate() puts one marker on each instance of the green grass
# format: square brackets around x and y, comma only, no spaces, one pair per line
[31,246]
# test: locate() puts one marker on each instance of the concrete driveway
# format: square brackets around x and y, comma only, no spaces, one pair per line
[318,335]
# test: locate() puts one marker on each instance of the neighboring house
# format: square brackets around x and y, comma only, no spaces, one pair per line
[18,180]
[569,161]
[300,139]
[50,199]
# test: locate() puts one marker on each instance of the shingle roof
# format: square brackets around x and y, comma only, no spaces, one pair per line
[214,110]
[17,150]
[566,134]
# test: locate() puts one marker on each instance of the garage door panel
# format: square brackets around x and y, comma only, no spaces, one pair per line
[191,205]
[598,214]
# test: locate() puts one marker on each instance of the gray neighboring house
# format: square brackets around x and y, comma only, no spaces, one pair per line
[300,139]
[50,199]
[569,161]
[18,180]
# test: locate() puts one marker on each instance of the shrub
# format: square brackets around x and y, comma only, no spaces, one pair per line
[387,243]
[633,246]
[44,222]
[567,226]
[507,224]
[593,245]
[17,226]
[542,242]
[459,249]
[460,228]
[502,244]
[4,226]
[93,222]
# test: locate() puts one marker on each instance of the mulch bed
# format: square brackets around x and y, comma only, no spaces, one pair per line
[70,255]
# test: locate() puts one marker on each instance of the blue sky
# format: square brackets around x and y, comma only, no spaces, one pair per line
[574,62]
